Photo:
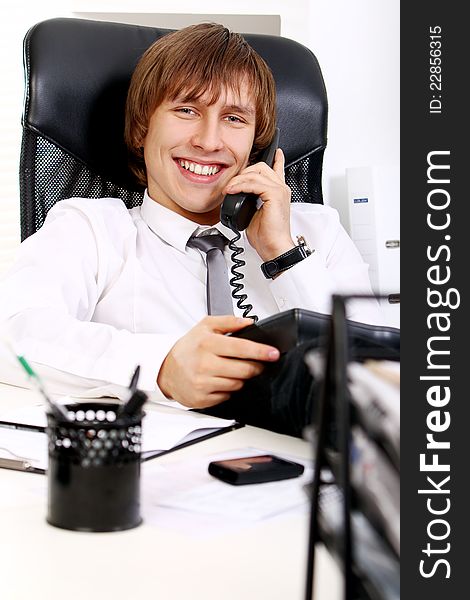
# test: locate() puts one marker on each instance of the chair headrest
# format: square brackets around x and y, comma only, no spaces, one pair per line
[78,72]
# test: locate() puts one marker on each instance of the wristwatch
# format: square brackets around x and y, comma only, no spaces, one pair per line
[285,261]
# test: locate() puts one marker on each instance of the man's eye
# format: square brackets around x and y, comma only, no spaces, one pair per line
[185,110]
[234,119]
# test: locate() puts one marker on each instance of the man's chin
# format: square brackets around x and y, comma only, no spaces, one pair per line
[204,215]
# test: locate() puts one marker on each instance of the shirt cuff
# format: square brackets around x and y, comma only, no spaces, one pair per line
[306,284]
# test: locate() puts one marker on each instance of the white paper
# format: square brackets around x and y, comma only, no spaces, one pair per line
[183,496]
[160,431]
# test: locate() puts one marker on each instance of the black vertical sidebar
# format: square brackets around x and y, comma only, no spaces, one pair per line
[435,329]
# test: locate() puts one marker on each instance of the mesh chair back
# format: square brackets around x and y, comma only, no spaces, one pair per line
[77,74]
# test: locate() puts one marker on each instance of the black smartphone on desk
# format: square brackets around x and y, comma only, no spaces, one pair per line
[255,469]
[237,210]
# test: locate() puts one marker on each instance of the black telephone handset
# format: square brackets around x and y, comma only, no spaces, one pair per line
[237,210]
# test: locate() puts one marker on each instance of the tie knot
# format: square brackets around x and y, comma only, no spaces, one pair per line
[208,241]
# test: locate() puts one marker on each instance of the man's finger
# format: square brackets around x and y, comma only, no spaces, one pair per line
[253,183]
[225,384]
[232,347]
[279,164]
[232,368]
[225,323]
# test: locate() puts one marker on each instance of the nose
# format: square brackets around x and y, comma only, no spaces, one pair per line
[208,135]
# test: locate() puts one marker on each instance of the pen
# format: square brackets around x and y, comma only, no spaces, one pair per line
[57,410]
[134,380]
[127,408]
[134,404]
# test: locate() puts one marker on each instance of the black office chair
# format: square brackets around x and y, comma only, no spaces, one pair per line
[77,75]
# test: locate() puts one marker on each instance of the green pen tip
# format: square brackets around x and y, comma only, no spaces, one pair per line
[26,366]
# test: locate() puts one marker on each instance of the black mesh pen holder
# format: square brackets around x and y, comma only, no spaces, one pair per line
[94,468]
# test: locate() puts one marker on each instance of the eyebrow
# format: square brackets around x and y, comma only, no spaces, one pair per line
[245,109]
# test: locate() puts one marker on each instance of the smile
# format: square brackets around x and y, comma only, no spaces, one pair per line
[199,169]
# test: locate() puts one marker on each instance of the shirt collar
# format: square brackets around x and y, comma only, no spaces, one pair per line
[172,228]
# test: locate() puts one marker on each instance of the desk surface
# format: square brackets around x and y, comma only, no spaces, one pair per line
[266,560]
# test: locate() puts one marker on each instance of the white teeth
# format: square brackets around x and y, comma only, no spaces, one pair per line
[199,169]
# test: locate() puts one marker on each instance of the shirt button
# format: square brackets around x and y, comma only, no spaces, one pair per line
[282,302]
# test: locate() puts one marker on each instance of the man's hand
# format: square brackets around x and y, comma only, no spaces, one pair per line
[205,366]
[269,230]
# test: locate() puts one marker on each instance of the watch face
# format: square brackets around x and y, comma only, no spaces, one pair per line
[271,268]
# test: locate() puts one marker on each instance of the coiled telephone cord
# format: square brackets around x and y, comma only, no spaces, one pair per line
[237,276]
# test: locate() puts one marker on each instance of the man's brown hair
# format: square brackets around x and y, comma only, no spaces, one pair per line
[199,59]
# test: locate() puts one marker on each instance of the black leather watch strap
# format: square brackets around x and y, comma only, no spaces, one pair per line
[285,261]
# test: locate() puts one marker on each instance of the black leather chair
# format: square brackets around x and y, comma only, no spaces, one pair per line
[77,74]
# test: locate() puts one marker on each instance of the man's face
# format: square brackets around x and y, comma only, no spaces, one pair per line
[193,149]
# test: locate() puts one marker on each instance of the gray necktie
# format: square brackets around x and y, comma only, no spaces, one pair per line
[219,299]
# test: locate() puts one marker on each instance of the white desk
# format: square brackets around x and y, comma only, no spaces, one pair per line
[264,561]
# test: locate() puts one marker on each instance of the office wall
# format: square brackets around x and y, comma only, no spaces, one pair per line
[358,46]
[356,43]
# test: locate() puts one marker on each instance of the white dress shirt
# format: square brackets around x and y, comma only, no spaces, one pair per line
[99,289]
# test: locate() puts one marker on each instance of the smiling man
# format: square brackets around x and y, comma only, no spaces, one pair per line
[99,288]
